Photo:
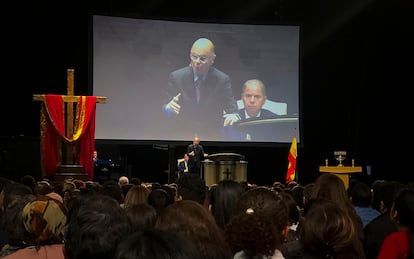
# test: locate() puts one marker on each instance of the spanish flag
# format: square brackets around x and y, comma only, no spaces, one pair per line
[290,176]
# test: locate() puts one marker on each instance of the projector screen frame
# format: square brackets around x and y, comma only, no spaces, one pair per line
[177,142]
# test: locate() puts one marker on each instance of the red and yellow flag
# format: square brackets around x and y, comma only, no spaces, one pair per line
[290,176]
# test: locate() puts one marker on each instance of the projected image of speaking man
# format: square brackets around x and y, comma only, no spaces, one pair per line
[199,97]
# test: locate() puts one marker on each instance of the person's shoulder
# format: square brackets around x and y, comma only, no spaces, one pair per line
[380,220]
[54,250]
[181,71]
[217,73]
[267,114]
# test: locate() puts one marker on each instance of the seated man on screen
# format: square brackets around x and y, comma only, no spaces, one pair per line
[253,97]
[198,94]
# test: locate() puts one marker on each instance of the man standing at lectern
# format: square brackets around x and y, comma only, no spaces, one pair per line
[196,154]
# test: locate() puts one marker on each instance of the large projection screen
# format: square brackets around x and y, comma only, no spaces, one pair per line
[131,64]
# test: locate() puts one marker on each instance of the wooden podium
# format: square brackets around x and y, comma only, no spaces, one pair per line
[342,172]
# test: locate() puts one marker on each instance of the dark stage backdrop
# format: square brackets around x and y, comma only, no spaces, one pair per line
[355,75]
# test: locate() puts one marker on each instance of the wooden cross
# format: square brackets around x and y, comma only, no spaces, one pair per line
[69,99]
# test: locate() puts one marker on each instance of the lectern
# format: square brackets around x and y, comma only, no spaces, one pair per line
[224,166]
[342,172]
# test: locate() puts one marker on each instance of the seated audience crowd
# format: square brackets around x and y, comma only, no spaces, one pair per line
[123,219]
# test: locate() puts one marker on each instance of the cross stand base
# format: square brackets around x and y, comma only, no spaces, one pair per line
[70,171]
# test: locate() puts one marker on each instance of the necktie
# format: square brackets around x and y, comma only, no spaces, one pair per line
[197,85]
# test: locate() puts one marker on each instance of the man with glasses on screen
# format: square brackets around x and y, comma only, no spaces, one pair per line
[199,97]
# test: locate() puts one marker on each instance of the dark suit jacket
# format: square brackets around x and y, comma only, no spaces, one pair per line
[254,133]
[206,117]
[195,160]
[181,167]
[264,114]
[375,232]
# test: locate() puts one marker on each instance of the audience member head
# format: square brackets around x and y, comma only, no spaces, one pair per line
[192,187]
[194,221]
[79,183]
[4,182]
[245,185]
[141,216]
[136,195]
[331,187]
[13,192]
[292,184]
[45,221]
[155,185]
[125,188]
[171,189]
[290,202]
[402,212]
[260,224]
[307,192]
[123,180]
[96,225]
[42,188]
[384,195]
[156,244]
[15,196]
[226,195]
[92,187]
[361,195]
[328,231]
[135,181]
[298,195]
[68,186]
[28,180]
[112,189]
[160,199]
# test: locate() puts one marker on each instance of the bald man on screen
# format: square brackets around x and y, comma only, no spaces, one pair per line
[199,97]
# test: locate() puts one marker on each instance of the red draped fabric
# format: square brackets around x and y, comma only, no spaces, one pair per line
[87,134]
[84,132]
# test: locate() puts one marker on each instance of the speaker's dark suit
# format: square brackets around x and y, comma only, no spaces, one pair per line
[206,117]
[196,158]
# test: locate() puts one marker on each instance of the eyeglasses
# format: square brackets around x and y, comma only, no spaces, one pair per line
[195,57]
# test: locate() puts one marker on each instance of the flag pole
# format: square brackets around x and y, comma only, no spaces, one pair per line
[297,173]
[292,155]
